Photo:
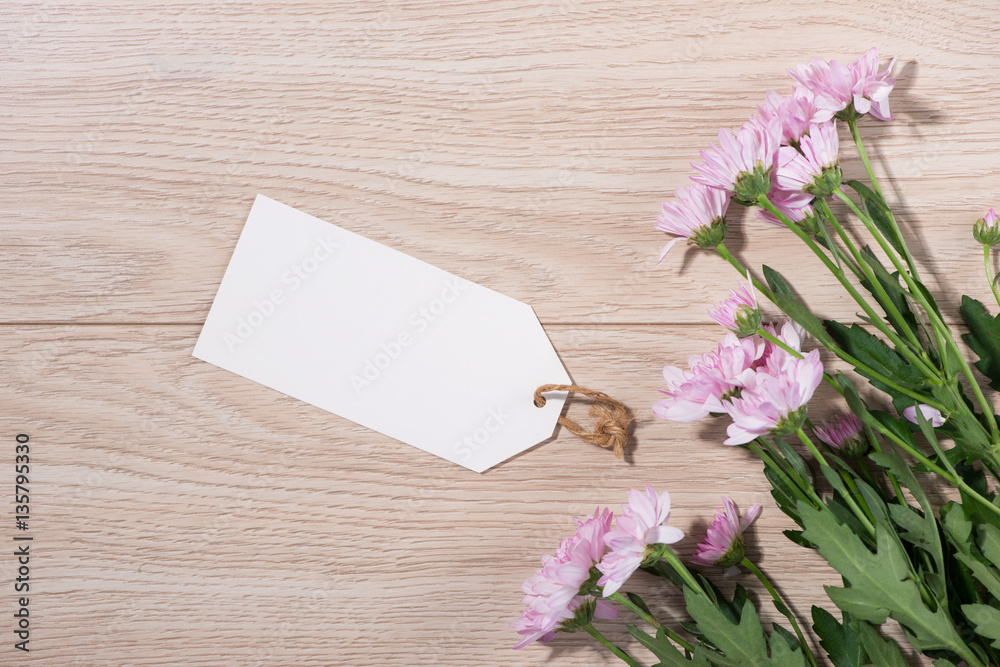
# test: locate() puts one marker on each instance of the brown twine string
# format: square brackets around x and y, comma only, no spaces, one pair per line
[611,418]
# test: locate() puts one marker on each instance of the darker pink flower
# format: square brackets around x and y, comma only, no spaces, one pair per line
[836,86]
[552,593]
[723,544]
[844,434]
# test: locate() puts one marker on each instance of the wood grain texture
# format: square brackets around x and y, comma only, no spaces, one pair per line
[187,516]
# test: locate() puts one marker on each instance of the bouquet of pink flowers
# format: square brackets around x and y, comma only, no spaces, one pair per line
[848,483]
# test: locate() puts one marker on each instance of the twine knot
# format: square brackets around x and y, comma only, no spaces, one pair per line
[611,418]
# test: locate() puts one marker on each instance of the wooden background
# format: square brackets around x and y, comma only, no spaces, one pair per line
[184,515]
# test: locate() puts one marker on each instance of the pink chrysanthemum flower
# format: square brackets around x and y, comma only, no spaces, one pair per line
[736,359]
[813,168]
[739,312]
[774,403]
[933,415]
[699,216]
[775,358]
[696,393]
[845,434]
[723,544]
[793,204]
[552,593]
[986,230]
[796,113]
[643,522]
[836,86]
[742,162]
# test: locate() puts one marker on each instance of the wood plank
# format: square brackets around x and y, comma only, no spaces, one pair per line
[526,148]
[182,513]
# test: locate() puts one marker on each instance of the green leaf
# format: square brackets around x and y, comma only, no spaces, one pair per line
[927,296]
[983,338]
[784,495]
[943,662]
[915,527]
[840,641]
[881,651]
[638,602]
[662,569]
[958,529]
[989,542]
[895,292]
[897,426]
[796,461]
[742,641]
[877,209]
[876,355]
[878,584]
[779,632]
[986,619]
[785,299]
[795,536]
[921,527]
[664,650]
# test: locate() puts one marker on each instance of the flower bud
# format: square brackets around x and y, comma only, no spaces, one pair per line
[845,435]
[987,230]
[723,544]
[739,313]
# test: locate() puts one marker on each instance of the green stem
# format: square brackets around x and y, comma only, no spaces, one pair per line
[869,371]
[771,462]
[735,263]
[989,273]
[867,474]
[682,570]
[780,343]
[892,478]
[869,274]
[649,618]
[798,355]
[856,135]
[838,273]
[951,477]
[781,606]
[864,515]
[932,315]
[592,631]
[807,441]
[853,266]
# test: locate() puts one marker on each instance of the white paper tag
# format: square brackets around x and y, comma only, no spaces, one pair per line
[385,340]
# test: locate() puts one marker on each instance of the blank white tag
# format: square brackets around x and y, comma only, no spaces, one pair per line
[385,340]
